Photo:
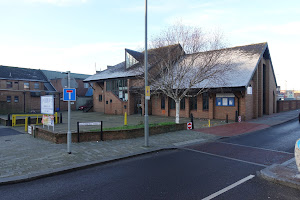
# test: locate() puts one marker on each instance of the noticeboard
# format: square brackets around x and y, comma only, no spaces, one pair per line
[47,104]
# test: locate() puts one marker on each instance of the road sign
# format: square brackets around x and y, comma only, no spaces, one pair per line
[89,124]
[240,118]
[69,94]
[189,126]
[147,92]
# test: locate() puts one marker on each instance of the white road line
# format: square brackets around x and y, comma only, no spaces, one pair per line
[211,154]
[256,147]
[289,162]
[229,187]
[188,142]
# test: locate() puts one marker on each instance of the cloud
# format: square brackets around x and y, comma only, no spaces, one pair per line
[58,2]
[291,28]
[207,17]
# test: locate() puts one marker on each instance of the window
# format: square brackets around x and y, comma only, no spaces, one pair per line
[9,84]
[118,87]
[205,101]
[182,104]
[8,99]
[86,85]
[172,104]
[26,85]
[100,98]
[16,99]
[129,60]
[162,103]
[225,101]
[36,85]
[193,103]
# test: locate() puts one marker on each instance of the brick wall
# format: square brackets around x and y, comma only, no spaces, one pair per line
[283,106]
[98,105]
[59,138]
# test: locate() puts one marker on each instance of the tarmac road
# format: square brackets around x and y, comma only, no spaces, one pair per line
[8,131]
[192,172]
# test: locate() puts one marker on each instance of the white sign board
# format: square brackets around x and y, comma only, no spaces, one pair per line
[47,104]
[249,90]
[90,123]
[29,130]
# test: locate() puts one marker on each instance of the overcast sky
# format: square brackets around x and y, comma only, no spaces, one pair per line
[73,35]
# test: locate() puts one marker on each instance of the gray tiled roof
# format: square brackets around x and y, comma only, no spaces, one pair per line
[244,63]
[58,75]
[17,73]
[120,71]
[25,74]
[245,60]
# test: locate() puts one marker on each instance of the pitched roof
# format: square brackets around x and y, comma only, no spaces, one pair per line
[245,60]
[120,71]
[117,71]
[17,73]
[25,74]
[58,75]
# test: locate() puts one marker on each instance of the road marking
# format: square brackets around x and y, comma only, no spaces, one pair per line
[188,142]
[211,154]
[288,162]
[229,187]
[256,148]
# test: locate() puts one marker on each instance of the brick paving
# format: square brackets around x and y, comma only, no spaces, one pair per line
[233,129]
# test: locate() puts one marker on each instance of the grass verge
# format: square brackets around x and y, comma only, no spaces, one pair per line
[133,126]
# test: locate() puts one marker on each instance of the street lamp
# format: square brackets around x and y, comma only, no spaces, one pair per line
[69,136]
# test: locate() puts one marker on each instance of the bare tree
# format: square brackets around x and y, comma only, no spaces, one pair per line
[184,62]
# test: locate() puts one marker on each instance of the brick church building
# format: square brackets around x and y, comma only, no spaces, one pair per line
[248,89]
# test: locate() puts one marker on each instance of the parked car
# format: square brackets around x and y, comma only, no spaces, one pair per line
[82,107]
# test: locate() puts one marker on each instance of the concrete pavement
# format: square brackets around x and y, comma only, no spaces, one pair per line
[25,158]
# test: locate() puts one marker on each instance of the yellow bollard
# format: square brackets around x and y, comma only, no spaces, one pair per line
[55,117]
[26,124]
[209,123]
[125,119]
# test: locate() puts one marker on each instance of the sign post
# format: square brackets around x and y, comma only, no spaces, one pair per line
[189,126]
[69,95]
[47,108]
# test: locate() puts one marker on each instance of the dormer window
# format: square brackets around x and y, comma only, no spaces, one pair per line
[132,57]
[130,60]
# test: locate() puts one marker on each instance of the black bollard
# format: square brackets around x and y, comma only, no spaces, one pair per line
[227,118]
[60,118]
[8,120]
[192,120]
[236,116]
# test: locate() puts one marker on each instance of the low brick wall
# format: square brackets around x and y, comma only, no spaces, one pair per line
[60,138]
[287,105]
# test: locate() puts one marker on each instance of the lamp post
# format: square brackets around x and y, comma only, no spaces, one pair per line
[146,127]
[69,136]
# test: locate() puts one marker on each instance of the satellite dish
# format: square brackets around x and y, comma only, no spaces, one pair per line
[73,83]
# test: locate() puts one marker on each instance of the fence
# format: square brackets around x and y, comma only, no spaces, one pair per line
[24,119]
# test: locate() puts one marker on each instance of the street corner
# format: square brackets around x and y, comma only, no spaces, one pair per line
[281,174]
